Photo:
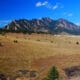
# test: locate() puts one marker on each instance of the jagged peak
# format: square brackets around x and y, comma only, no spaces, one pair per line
[43,24]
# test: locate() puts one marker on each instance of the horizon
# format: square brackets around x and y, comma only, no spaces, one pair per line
[29,9]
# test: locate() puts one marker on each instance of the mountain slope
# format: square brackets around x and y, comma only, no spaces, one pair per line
[43,25]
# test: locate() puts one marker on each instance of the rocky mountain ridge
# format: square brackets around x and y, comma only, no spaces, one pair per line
[45,25]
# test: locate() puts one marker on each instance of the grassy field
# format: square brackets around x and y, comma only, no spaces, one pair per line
[38,52]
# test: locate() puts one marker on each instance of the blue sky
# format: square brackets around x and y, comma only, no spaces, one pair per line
[28,9]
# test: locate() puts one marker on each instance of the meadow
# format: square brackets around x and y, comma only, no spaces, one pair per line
[38,52]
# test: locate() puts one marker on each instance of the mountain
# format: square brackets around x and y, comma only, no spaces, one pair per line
[43,25]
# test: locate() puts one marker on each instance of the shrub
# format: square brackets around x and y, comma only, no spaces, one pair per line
[1,44]
[51,41]
[77,43]
[53,74]
[38,40]
[15,41]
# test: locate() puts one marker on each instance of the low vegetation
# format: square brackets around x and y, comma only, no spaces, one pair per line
[51,41]
[77,43]
[0,44]
[15,41]
[38,39]
[40,55]
[52,74]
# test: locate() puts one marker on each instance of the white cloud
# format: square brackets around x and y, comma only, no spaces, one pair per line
[49,5]
[55,6]
[44,3]
[38,4]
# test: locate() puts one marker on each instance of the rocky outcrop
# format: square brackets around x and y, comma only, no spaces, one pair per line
[44,25]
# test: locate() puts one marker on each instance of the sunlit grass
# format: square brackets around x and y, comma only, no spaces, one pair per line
[31,48]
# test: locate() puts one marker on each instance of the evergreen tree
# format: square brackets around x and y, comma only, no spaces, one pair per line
[53,74]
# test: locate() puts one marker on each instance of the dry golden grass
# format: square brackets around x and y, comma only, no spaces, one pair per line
[39,51]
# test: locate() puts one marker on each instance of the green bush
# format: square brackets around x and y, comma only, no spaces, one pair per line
[53,74]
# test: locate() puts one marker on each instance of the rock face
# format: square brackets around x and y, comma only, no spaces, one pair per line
[43,25]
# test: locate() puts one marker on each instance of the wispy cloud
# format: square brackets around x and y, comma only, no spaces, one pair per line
[38,4]
[55,6]
[68,14]
[49,5]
